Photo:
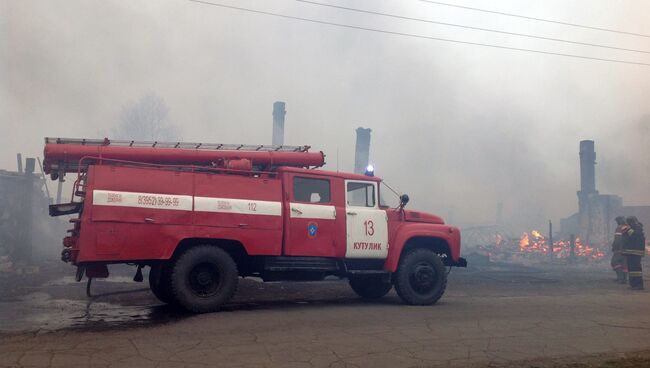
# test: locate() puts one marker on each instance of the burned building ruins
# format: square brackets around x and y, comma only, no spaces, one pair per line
[594,221]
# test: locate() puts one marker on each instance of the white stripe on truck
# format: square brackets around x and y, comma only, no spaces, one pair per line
[240,206]
[142,200]
[210,204]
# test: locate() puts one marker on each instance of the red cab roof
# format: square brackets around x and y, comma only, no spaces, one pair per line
[336,174]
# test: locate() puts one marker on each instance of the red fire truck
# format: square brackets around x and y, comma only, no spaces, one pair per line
[203,215]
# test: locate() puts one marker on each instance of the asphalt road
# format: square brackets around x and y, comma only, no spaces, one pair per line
[497,315]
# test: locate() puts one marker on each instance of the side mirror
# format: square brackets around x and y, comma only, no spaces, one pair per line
[403,200]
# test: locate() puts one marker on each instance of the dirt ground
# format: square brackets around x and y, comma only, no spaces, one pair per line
[493,315]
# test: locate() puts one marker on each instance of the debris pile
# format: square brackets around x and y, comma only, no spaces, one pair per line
[26,230]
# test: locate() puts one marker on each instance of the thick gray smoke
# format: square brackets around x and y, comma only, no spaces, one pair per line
[460,128]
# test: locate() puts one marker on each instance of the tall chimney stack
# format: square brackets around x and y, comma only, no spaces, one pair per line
[278,123]
[587,167]
[362,151]
[587,177]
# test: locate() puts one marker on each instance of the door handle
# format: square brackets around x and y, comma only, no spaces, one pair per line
[352,213]
[296,210]
[148,219]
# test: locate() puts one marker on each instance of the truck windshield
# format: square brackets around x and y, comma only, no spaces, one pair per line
[387,196]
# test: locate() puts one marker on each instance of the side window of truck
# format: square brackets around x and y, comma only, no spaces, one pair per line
[311,190]
[361,194]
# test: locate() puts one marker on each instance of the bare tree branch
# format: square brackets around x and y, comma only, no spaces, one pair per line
[147,119]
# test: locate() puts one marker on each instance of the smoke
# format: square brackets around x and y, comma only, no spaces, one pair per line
[460,128]
[625,164]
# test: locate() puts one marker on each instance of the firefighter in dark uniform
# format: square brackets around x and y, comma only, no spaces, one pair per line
[634,249]
[619,263]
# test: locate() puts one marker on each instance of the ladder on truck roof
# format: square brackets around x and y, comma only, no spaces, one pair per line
[183,145]
[73,154]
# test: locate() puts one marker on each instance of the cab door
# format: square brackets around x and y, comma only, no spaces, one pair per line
[310,216]
[367,224]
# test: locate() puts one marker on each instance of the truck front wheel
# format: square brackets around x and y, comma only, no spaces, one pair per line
[203,278]
[420,277]
[370,287]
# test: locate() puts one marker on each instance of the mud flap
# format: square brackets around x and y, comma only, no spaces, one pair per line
[97,271]
[80,273]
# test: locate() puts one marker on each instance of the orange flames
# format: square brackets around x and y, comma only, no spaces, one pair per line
[537,243]
[533,245]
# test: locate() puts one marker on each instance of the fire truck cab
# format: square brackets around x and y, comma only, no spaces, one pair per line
[203,215]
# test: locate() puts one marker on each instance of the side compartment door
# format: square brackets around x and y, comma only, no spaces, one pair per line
[310,216]
[367,224]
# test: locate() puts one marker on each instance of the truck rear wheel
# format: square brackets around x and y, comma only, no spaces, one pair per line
[370,287]
[203,278]
[421,278]
[160,284]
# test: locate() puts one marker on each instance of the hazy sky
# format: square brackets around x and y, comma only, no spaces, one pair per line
[458,127]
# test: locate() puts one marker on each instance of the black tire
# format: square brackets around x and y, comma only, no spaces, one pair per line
[370,287]
[203,278]
[421,278]
[159,283]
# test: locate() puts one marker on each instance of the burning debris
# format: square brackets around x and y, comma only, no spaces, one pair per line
[534,246]
[537,244]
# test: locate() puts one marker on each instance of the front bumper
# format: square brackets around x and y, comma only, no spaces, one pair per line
[462,262]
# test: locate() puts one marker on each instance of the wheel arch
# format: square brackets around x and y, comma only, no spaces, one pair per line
[234,248]
[433,241]
[437,244]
